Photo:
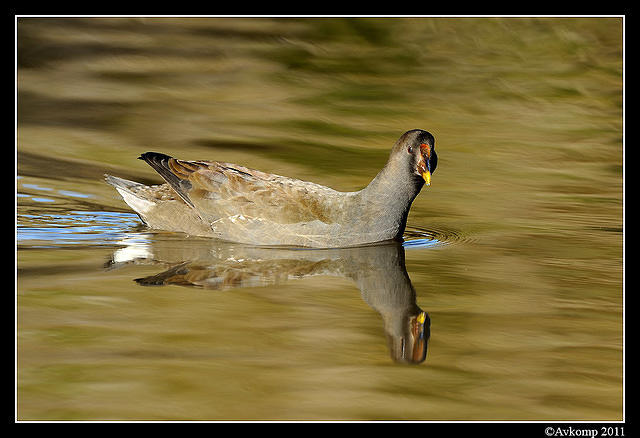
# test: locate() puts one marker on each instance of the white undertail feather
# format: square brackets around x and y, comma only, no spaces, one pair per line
[139,205]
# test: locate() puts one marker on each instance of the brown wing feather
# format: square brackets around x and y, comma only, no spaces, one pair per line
[218,189]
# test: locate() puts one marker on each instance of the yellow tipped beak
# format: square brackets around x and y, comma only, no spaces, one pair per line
[427,177]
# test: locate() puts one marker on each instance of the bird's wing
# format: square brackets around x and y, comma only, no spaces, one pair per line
[217,190]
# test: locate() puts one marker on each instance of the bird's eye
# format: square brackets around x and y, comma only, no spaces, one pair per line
[409,150]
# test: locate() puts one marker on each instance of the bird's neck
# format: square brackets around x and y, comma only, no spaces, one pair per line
[388,197]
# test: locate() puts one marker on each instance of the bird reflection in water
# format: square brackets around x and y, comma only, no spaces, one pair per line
[377,270]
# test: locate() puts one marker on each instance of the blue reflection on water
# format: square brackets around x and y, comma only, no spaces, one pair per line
[95,227]
[74,194]
[421,243]
[37,187]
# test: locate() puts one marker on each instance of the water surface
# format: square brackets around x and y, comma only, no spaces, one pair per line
[514,254]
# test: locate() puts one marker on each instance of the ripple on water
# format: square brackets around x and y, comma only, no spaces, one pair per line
[415,237]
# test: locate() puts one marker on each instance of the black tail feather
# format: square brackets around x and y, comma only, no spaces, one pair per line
[160,163]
